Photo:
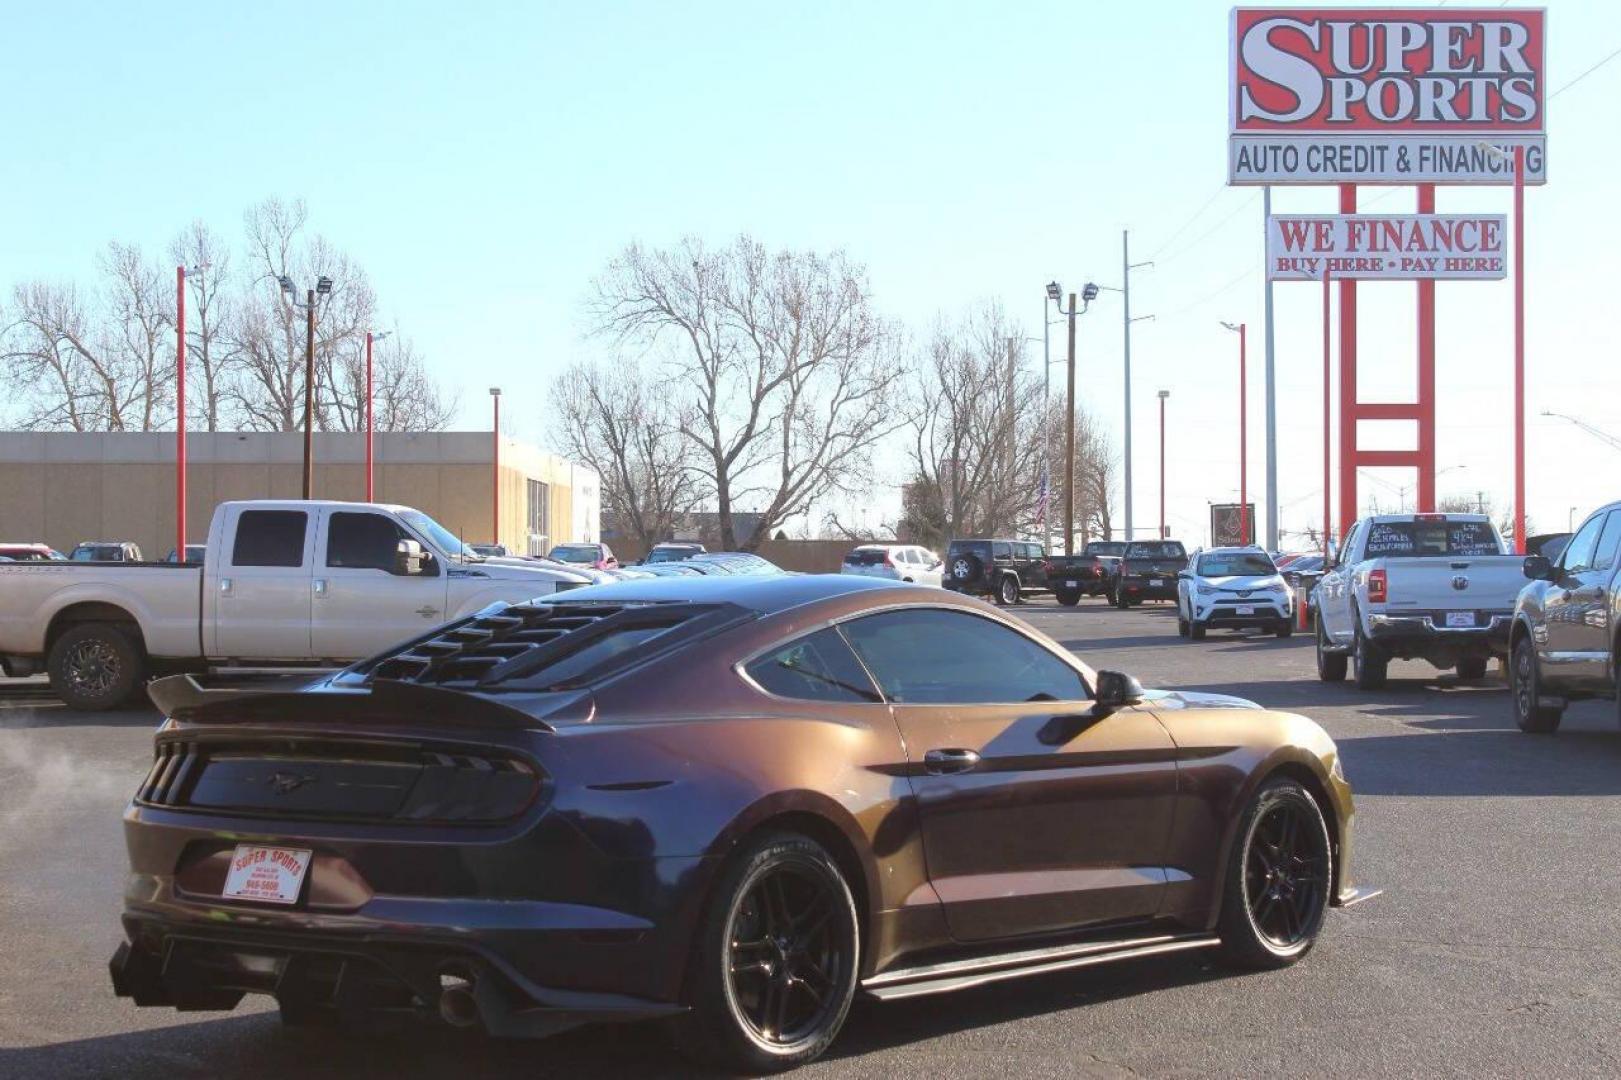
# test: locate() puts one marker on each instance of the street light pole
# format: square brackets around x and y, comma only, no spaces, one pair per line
[180,414]
[495,472]
[1089,292]
[1163,394]
[323,287]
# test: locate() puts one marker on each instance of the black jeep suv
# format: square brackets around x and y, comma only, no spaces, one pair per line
[1148,572]
[1002,570]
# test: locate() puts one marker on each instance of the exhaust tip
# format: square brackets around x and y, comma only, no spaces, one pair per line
[457,1005]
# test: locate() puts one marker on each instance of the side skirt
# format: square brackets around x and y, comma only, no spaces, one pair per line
[960,974]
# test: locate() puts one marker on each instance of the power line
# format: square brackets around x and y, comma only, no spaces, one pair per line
[1585,74]
[1205,299]
[1182,228]
[1213,230]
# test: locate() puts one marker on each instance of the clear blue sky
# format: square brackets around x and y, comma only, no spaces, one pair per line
[483,161]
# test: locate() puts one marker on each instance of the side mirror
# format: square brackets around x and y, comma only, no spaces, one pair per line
[408,558]
[1116,690]
[1537,568]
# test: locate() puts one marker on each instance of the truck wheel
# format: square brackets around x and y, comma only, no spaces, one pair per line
[1330,666]
[95,666]
[1368,663]
[1525,686]
[1007,590]
[1472,668]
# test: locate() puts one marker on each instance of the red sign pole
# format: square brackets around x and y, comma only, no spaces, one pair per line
[1327,395]
[1519,349]
[368,420]
[1426,375]
[1243,442]
[495,471]
[1162,396]
[1348,501]
[180,414]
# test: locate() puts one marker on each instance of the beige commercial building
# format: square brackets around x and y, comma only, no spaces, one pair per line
[66,487]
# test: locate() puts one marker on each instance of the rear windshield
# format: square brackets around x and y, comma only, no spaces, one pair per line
[575,553]
[866,557]
[671,554]
[1236,564]
[1430,538]
[1169,549]
[979,546]
[1105,547]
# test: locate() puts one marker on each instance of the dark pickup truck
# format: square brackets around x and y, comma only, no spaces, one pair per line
[1091,573]
[1148,572]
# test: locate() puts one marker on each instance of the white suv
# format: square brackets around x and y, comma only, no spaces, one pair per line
[898,562]
[1233,588]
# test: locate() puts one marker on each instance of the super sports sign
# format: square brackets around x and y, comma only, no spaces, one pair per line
[1385,96]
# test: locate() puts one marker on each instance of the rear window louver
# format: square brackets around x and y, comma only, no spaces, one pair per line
[530,646]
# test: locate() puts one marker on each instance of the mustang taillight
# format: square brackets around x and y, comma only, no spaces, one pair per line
[1378,587]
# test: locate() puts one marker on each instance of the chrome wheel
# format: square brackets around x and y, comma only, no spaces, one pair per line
[1286,875]
[788,958]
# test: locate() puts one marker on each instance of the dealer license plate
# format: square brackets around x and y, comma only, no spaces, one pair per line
[271,875]
[1460,618]
[1072,584]
[1155,582]
[1245,610]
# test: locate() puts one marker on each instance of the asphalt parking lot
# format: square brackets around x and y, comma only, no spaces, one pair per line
[1493,952]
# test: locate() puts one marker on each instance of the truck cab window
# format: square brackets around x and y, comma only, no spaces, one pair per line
[270,538]
[362,541]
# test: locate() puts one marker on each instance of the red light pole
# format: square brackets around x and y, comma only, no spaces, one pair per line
[1519,349]
[370,427]
[1326,391]
[1243,435]
[1163,394]
[181,273]
[495,472]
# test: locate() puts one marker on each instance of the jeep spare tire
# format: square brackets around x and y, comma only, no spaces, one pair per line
[965,567]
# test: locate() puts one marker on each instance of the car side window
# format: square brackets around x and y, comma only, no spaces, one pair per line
[1608,541]
[359,541]
[270,538]
[1348,545]
[934,656]
[1579,552]
[816,667]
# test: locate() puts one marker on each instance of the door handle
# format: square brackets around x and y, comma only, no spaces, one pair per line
[225,586]
[320,588]
[953,760]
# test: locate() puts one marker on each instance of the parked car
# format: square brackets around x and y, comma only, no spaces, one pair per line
[106,551]
[1564,642]
[596,556]
[1005,571]
[896,562]
[30,552]
[490,551]
[194,554]
[672,552]
[666,569]
[714,803]
[1548,545]
[1435,587]
[288,585]
[1091,573]
[742,563]
[1148,571]
[1233,588]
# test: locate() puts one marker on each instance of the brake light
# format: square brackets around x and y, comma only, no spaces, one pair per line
[1378,587]
[887,560]
[1046,566]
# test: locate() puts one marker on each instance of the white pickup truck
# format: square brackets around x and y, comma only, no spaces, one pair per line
[1436,587]
[284,585]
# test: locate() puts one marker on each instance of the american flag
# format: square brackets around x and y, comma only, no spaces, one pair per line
[1041,499]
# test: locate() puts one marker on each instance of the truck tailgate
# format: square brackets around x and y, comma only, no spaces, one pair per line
[1443,583]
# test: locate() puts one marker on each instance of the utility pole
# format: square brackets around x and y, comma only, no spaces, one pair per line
[1271,398]
[1011,432]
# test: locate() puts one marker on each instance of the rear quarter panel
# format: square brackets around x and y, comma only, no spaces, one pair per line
[164,601]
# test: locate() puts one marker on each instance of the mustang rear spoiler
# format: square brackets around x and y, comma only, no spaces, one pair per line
[182,697]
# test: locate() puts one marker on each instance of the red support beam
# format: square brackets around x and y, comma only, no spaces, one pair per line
[1348,456]
[1426,375]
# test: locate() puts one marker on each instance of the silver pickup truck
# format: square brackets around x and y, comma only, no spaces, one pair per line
[283,586]
[1435,587]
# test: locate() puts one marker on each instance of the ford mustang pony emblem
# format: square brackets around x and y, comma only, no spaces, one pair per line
[285,783]
[1460,582]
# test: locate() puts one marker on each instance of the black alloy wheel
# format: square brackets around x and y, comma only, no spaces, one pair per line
[776,961]
[95,666]
[1532,717]
[1330,666]
[1277,894]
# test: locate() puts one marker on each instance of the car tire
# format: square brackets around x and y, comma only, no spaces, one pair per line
[1525,691]
[1279,879]
[740,1006]
[1067,598]
[1330,666]
[1007,590]
[1369,665]
[95,667]
[1472,668]
[1196,631]
[1181,625]
[1286,628]
[966,568]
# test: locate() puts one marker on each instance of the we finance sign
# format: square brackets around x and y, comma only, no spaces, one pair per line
[1386,95]
[1393,247]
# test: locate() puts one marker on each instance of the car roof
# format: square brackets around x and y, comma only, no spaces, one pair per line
[1247,549]
[762,594]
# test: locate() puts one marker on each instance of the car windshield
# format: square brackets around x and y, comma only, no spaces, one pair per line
[1439,537]
[576,553]
[1236,564]
[1105,547]
[446,540]
[1156,550]
[671,554]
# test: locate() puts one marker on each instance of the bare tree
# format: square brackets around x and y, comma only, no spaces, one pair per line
[211,351]
[406,398]
[61,381]
[783,373]
[624,428]
[142,318]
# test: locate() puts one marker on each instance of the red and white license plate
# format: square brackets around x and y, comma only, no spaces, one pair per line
[271,875]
